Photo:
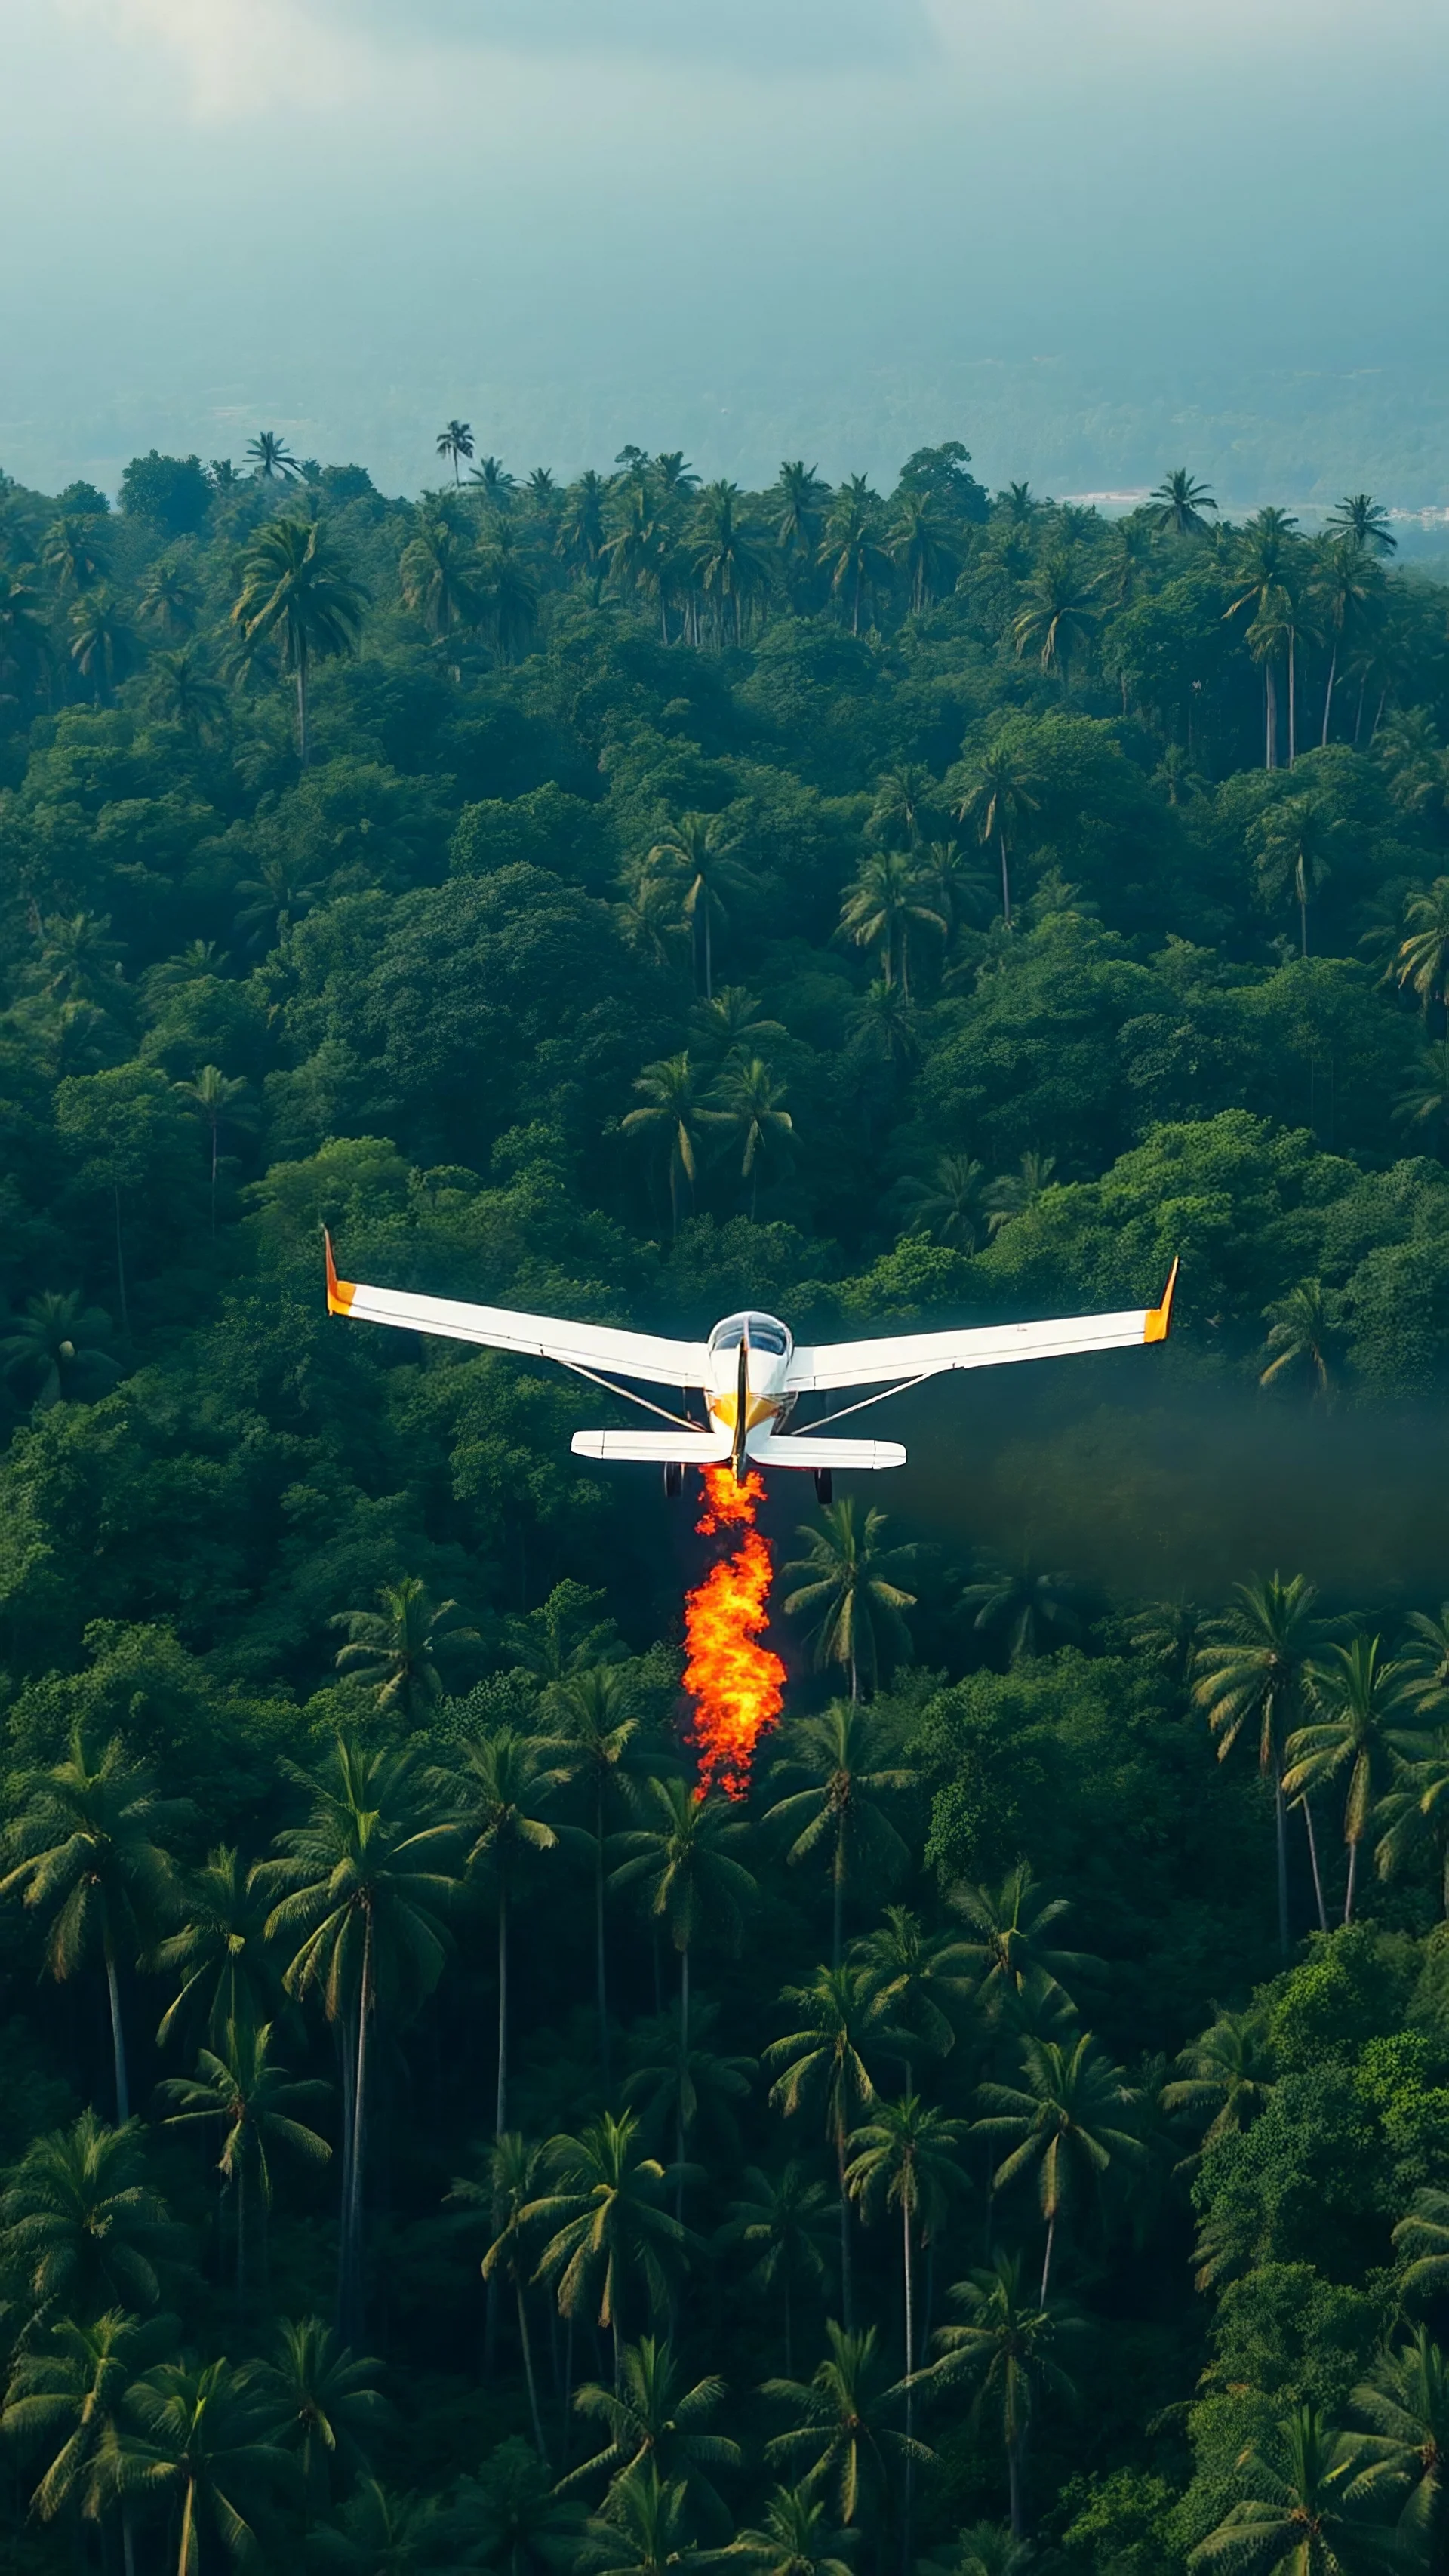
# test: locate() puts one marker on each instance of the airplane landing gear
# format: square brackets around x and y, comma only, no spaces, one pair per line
[824,1485]
[673,1482]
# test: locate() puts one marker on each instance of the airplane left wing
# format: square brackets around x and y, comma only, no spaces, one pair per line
[919,1355]
[591,1348]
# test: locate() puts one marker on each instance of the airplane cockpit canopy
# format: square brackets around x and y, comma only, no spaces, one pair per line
[767,1333]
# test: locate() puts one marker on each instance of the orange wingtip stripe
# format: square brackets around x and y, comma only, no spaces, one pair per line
[340,1292]
[1159,1318]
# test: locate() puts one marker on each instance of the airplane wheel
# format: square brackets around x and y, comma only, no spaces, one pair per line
[824,1485]
[673,1483]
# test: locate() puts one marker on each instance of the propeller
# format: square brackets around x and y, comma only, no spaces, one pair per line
[742,1408]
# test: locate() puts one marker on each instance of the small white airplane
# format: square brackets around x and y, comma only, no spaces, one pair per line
[749,1372]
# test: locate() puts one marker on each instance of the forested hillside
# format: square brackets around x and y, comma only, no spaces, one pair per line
[1016,2135]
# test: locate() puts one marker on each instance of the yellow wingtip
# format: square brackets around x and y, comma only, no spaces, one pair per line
[340,1292]
[1159,1318]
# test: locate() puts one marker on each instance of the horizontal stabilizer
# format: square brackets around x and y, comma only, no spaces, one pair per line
[654,1448]
[769,1449]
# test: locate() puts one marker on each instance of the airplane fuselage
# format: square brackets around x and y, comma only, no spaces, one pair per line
[749,1358]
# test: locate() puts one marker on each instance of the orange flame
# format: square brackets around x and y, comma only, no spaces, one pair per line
[736,1684]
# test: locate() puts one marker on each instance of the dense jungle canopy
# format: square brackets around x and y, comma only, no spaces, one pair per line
[1016,2136]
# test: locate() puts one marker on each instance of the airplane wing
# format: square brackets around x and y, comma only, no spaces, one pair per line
[596,1348]
[918,1355]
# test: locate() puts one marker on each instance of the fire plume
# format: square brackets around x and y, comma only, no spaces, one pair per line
[736,1684]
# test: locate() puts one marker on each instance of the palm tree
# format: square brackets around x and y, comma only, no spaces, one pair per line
[653,2420]
[916,1979]
[1011,1945]
[821,2065]
[594,1725]
[1294,840]
[851,548]
[84,2231]
[728,565]
[672,1113]
[1249,1674]
[183,692]
[456,441]
[643,2532]
[610,2234]
[494,482]
[1016,1192]
[1066,2122]
[102,646]
[794,2538]
[838,1813]
[801,499]
[169,599]
[57,1350]
[87,1846]
[219,1954]
[510,2519]
[1226,2074]
[697,856]
[782,2220]
[220,1100]
[907,2157]
[1344,585]
[885,899]
[844,1587]
[1300,2507]
[1259,577]
[676,2082]
[919,545]
[65,2399]
[1181,504]
[327,2403]
[1404,2403]
[998,792]
[845,2430]
[510,597]
[364,1887]
[751,1101]
[298,593]
[254,2104]
[1424,1100]
[1423,956]
[397,1651]
[204,2438]
[1423,2236]
[1304,1331]
[438,578]
[500,1794]
[378,2533]
[276,897]
[683,1866]
[272,459]
[1358,1695]
[1032,1606]
[581,537]
[74,552]
[509,2187]
[1364,522]
[25,646]
[1058,616]
[950,1206]
[1007,2345]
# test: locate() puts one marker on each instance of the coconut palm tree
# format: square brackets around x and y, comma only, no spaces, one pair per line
[299,595]
[729,566]
[886,899]
[272,460]
[1181,504]
[1011,1946]
[794,2537]
[1358,1695]
[219,1954]
[103,646]
[1344,586]
[1249,1676]
[184,692]
[1065,2122]
[582,537]
[84,2230]
[697,857]
[676,2083]
[438,576]
[682,1864]
[364,1888]
[327,2403]
[509,2518]
[1011,2348]
[219,1100]
[851,549]
[844,1588]
[1422,961]
[998,791]
[64,2400]
[456,441]
[510,2185]
[782,2220]
[380,2533]
[25,645]
[821,2066]
[838,1813]
[610,2239]
[501,1792]
[1260,573]
[1032,1607]
[907,2158]
[1424,1100]
[1225,2076]
[1404,2405]
[800,500]
[950,1207]
[1058,619]
[1304,1332]
[655,2420]
[1364,522]
[918,544]
[594,1741]
[749,1099]
[254,2104]
[1300,2507]
[276,897]
[56,1352]
[398,1650]
[1014,1193]
[918,1981]
[74,552]
[87,1846]
[201,2437]
[645,2531]
[672,1113]
[846,2433]
[510,597]
[1296,843]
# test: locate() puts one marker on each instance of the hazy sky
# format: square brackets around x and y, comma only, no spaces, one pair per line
[1092,237]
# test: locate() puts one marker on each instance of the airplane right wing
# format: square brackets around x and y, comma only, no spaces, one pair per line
[919,1355]
[591,1348]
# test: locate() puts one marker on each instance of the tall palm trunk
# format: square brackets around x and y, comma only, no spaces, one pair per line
[1280,1820]
[1270,715]
[683,2075]
[1046,2263]
[1005,881]
[1328,695]
[1352,1880]
[1292,696]
[837,1891]
[1313,1863]
[120,1261]
[304,739]
[353,2255]
[500,2116]
[188,2521]
[908,2276]
[526,2340]
[1013,2486]
[600,1955]
[847,2301]
[118,2036]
